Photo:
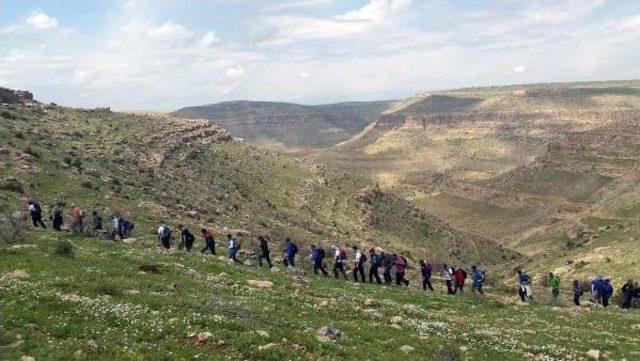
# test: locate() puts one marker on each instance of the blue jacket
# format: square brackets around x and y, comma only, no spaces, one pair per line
[478,276]
[290,249]
[426,271]
[315,255]
[608,289]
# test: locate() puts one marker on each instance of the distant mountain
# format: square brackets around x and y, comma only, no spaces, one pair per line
[287,125]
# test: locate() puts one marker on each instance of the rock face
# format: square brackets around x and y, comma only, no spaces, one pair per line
[289,124]
[9,96]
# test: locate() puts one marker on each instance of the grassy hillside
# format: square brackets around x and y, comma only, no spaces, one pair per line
[157,168]
[289,127]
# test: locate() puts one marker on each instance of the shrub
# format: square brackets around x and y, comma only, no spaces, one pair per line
[65,249]
[87,184]
[12,185]
[13,227]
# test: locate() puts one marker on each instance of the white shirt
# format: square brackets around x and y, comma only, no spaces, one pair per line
[232,243]
[337,255]
[32,208]
[358,257]
[161,230]
[447,274]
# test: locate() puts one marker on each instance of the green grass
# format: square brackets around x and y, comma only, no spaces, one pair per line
[99,306]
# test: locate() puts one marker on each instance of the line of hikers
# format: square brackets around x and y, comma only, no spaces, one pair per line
[454,277]
[601,290]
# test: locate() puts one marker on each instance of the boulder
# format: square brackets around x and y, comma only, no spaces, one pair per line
[260,284]
[200,337]
[129,240]
[327,334]
[396,320]
[593,354]
[18,274]
[406,349]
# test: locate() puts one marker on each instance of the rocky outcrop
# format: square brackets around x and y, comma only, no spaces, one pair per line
[21,97]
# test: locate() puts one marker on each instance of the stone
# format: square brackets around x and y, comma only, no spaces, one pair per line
[636,327]
[594,354]
[406,349]
[129,240]
[369,303]
[327,334]
[131,292]
[396,320]
[263,333]
[260,284]
[18,274]
[93,345]
[27,358]
[200,337]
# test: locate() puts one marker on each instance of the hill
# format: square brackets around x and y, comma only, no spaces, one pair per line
[286,126]
[130,302]
[155,168]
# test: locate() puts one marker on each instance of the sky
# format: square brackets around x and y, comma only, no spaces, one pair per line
[166,54]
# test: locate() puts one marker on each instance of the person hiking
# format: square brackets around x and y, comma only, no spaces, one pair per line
[339,258]
[317,258]
[77,215]
[459,278]
[116,224]
[387,263]
[35,211]
[126,227]
[447,275]
[524,284]
[426,268]
[596,286]
[234,247]
[607,292]
[358,264]
[375,260]
[97,221]
[186,238]
[164,235]
[263,252]
[401,264]
[209,241]
[627,294]
[57,219]
[554,284]
[289,254]
[577,292]
[477,277]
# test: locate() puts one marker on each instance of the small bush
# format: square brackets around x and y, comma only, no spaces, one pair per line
[11,185]
[87,184]
[65,249]
[13,227]
[32,152]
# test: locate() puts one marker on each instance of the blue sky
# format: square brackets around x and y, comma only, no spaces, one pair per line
[164,54]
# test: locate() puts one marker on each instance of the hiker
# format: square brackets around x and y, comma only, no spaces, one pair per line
[57,219]
[554,284]
[209,242]
[126,227]
[401,265]
[358,263]
[290,251]
[577,292]
[524,282]
[186,238]
[477,277]
[97,221]
[387,263]
[375,260]
[317,258]
[607,292]
[340,257]
[164,235]
[234,247]
[459,278]
[627,294]
[596,286]
[35,211]
[116,223]
[447,275]
[77,216]
[426,268]
[263,252]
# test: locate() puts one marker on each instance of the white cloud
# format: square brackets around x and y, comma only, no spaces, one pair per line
[169,31]
[376,10]
[298,4]
[208,39]
[630,23]
[42,21]
[519,69]
[235,72]
[555,12]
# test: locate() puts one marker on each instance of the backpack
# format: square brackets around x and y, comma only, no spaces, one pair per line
[36,207]
[166,233]
[321,254]
[128,225]
[190,237]
[363,258]
[294,248]
[343,254]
